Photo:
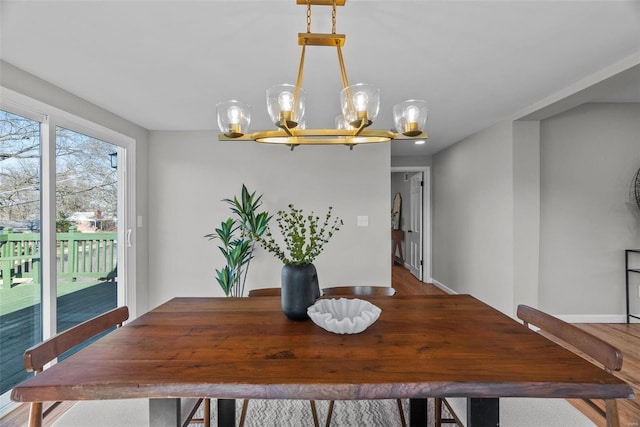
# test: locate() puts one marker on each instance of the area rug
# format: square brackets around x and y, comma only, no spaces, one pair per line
[374,413]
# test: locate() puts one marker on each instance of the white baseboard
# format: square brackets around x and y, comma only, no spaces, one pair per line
[570,318]
[442,286]
[592,318]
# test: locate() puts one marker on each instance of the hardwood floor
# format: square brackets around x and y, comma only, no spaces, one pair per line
[406,284]
[20,416]
[625,337]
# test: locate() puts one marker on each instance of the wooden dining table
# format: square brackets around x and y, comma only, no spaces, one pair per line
[237,348]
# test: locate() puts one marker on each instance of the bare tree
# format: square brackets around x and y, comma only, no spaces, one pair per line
[19,137]
[85,180]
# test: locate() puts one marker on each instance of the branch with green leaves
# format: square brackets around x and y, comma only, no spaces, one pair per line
[304,235]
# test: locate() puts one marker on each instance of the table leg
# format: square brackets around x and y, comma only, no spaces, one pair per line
[226,412]
[164,412]
[483,412]
[417,412]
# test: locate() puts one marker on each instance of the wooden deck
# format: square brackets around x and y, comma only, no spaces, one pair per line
[22,328]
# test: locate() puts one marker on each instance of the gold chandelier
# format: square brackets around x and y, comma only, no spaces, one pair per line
[286,105]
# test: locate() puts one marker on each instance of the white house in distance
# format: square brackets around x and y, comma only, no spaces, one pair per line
[90,222]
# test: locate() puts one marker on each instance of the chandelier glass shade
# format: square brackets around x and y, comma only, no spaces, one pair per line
[234,118]
[286,103]
[410,116]
[360,104]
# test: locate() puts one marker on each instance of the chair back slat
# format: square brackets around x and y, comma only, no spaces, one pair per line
[602,351]
[359,291]
[39,355]
[265,292]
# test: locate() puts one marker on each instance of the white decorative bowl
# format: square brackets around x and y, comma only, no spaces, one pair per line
[344,315]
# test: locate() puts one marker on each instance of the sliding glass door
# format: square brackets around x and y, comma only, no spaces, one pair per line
[64,234]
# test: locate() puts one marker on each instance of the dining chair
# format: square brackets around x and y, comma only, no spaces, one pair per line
[363,291]
[601,351]
[270,292]
[36,357]
[571,337]
[265,292]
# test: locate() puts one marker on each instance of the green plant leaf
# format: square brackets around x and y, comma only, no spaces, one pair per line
[238,236]
[303,238]
[225,279]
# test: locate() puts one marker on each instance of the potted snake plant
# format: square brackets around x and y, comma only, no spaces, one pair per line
[238,236]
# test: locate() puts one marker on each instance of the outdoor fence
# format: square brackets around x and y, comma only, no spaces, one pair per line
[78,255]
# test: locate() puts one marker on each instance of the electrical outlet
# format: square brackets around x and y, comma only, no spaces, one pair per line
[363,221]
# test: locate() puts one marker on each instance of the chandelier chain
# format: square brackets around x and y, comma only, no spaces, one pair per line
[308,16]
[333,18]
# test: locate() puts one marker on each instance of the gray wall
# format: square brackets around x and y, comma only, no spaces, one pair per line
[35,88]
[526,212]
[588,157]
[539,212]
[410,161]
[472,194]
[191,172]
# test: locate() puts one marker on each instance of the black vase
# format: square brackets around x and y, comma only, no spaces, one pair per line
[300,289]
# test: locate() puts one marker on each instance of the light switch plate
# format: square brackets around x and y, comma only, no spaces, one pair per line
[363,221]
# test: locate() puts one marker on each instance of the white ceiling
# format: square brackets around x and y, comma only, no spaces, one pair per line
[165,64]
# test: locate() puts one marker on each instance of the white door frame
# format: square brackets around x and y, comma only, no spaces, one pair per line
[414,256]
[426,217]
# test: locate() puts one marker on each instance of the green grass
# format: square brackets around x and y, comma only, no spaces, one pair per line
[26,294]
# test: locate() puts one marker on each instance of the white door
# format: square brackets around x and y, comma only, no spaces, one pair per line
[414,235]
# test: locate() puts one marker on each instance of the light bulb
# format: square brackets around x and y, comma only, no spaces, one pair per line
[234,114]
[285,100]
[360,101]
[412,113]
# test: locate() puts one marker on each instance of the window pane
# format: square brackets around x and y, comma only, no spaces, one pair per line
[19,244]
[86,223]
